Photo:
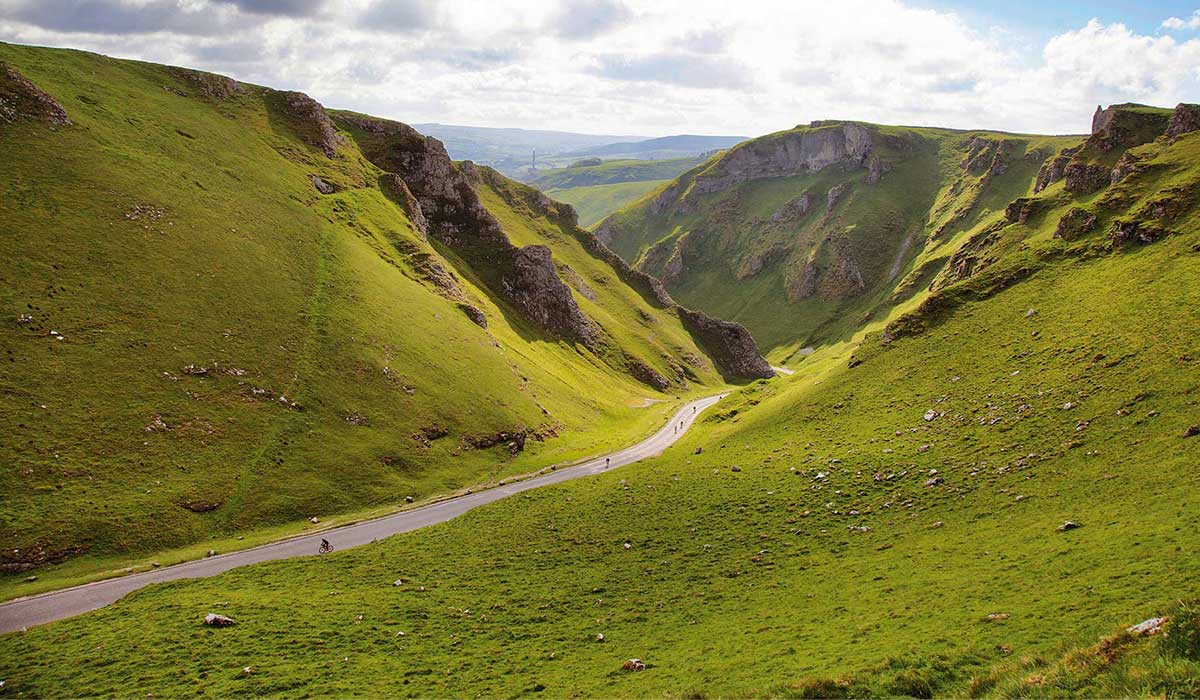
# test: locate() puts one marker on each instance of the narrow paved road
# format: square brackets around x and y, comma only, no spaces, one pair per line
[56,605]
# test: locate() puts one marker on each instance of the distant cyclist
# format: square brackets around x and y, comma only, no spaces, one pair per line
[606,460]
[325,546]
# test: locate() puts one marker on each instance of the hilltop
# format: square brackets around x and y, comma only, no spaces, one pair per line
[228,310]
[663,147]
[825,225]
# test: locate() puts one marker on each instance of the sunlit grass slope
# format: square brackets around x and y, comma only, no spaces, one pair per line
[195,342]
[886,522]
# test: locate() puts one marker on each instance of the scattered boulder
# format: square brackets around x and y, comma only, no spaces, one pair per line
[996,617]
[313,520]
[634,665]
[477,317]
[21,100]
[1147,628]
[1192,431]
[215,620]
[1069,525]
[322,186]
[198,506]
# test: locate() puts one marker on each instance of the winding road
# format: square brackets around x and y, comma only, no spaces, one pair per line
[68,602]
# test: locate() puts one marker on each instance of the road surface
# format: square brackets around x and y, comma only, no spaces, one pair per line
[56,605]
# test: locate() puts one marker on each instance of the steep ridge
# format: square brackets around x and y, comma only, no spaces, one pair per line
[818,228]
[227,308]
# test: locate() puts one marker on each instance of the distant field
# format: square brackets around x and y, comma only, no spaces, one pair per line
[597,190]
[594,202]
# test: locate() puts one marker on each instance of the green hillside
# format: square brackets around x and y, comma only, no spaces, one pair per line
[802,235]
[891,521]
[224,311]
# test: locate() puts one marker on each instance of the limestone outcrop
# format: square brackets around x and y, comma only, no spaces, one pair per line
[21,100]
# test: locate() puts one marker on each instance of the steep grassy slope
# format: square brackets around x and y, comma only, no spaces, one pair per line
[885,523]
[597,190]
[803,234]
[219,314]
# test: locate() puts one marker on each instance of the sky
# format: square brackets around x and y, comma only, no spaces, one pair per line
[660,67]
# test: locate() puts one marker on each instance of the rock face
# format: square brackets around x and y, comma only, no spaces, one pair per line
[1185,119]
[1020,209]
[646,374]
[474,314]
[1054,169]
[729,345]
[1117,128]
[211,85]
[795,209]
[1074,224]
[535,289]
[424,180]
[312,122]
[1123,232]
[803,151]
[987,156]
[395,188]
[21,100]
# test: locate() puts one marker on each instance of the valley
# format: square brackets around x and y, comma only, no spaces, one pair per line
[847,410]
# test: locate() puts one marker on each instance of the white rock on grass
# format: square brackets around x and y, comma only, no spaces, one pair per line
[1145,628]
[215,620]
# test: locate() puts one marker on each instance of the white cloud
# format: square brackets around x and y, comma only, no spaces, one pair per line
[639,66]
[1178,24]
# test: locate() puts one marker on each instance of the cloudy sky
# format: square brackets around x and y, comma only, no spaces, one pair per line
[663,66]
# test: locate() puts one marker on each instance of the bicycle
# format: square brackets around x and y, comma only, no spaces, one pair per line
[325,548]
